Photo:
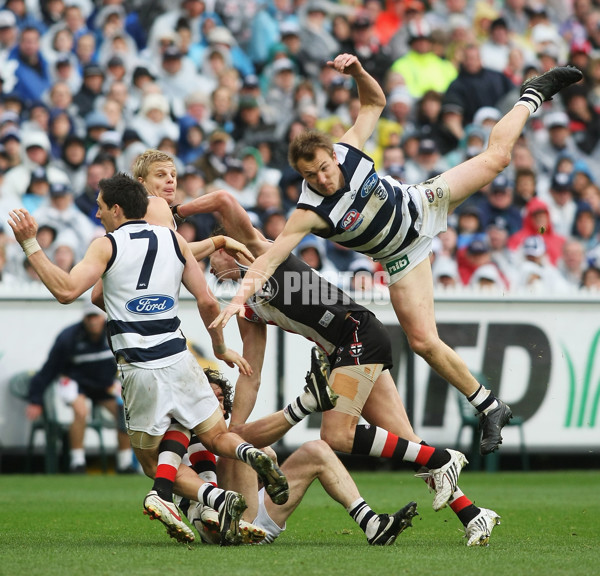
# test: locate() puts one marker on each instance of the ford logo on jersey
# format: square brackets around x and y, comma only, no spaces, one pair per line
[151,304]
[351,220]
[369,184]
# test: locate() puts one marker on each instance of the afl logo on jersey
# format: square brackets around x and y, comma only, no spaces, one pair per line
[369,185]
[152,304]
[351,220]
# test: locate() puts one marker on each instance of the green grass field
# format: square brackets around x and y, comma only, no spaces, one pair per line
[93,525]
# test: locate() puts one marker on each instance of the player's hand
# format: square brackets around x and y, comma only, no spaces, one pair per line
[346,64]
[23,224]
[236,249]
[225,314]
[232,358]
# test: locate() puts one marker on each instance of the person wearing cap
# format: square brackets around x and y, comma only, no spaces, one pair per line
[91,89]
[376,57]
[153,120]
[427,163]
[496,49]
[9,33]
[535,273]
[554,140]
[32,72]
[251,125]
[235,181]
[501,255]
[561,204]
[83,367]
[35,147]
[62,213]
[344,199]
[498,203]
[176,80]
[317,42]
[193,11]
[574,261]
[476,86]
[421,67]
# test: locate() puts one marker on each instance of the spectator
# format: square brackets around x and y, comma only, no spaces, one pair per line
[561,205]
[585,226]
[427,163]
[272,222]
[475,86]
[524,187]
[72,162]
[421,68]
[487,277]
[468,224]
[572,263]
[536,273]
[234,180]
[212,163]
[32,73]
[498,202]
[591,278]
[313,251]
[84,367]
[317,42]
[250,124]
[537,221]
[471,257]
[153,122]
[36,147]
[62,214]
[554,140]
[9,34]
[91,89]
[445,273]
[86,197]
[38,191]
[375,56]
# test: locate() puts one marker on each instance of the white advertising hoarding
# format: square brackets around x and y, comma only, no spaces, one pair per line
[540,356]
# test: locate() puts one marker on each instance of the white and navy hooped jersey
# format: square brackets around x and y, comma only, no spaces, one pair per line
[298,299]
[371,215]
[141,294]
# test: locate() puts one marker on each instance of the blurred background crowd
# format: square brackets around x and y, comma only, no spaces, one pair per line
[224,85]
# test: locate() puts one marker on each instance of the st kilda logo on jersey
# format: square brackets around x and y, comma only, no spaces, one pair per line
[356,349]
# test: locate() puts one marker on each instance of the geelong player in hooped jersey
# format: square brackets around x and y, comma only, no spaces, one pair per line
[344,199]
[143,266]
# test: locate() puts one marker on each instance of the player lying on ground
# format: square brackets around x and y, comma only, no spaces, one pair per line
[313,460]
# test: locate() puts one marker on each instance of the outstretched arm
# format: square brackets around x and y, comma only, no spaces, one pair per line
[65,286]
[234,218]
[301,223]
[370,94]
[193,279]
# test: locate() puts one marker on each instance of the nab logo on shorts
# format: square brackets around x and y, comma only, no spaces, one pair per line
[369,184]
[351,220]
[152,304]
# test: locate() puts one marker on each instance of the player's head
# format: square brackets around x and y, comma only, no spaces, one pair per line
[157,172]
[305,146]
[124,191]
[312,155]
[222,389]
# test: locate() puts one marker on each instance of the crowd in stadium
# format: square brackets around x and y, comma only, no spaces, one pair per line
[224,85]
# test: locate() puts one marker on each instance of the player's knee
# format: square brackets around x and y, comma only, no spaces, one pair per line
[338,439]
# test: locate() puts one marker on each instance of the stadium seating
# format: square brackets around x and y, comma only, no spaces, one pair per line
[55,428]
